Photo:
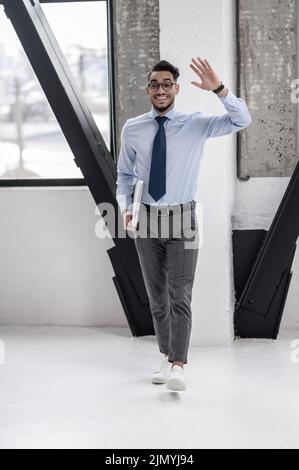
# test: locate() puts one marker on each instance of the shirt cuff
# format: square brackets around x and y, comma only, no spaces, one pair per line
[229,97]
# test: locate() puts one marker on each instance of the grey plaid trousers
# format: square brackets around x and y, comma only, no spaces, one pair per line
[167,247]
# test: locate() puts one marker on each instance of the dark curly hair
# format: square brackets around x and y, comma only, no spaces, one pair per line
[164,65]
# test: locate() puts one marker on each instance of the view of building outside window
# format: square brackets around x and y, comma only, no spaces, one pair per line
[32,144]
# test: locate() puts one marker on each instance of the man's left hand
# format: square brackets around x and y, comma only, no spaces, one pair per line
[209,79]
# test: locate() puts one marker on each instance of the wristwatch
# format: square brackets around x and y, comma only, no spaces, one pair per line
[220,88]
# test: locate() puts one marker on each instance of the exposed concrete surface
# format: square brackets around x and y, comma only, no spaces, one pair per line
[268,43]
[136,50]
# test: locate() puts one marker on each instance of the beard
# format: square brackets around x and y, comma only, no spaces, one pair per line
[162,109]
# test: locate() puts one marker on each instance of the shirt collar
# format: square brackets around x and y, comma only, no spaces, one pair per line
[170,114]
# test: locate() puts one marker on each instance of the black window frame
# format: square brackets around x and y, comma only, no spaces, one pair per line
[40,182]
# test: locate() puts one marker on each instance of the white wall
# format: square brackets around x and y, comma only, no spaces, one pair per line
[207,29]
[54,270]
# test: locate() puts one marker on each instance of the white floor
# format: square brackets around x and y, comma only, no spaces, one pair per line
[90,388]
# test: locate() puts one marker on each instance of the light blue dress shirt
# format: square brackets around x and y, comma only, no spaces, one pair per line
[185,138]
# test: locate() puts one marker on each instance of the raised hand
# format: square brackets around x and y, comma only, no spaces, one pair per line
[209,79]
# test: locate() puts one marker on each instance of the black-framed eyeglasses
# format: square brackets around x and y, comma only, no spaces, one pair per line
[165,85]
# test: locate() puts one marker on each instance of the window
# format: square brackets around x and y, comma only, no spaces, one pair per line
[32,145]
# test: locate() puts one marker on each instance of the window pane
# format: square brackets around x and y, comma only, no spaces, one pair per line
[31,142]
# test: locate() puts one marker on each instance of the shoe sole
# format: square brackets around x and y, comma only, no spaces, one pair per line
[157,380]
[176,384]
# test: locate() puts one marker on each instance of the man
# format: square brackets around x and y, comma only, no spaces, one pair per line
[164,148]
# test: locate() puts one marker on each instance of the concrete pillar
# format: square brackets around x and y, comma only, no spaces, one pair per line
[190,29]
[136,50]
[268,65]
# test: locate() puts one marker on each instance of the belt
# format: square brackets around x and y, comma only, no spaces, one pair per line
[168,209]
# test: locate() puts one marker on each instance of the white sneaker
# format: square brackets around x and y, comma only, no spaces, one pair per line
[176,380]
[161,375]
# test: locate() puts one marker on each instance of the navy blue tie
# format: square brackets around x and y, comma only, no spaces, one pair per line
[157,179]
